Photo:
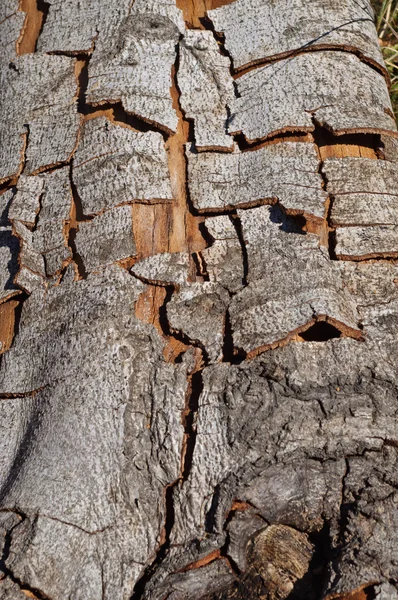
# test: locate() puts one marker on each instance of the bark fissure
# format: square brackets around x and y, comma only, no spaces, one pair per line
[116,113]
[72,227]
[191,240]
[22,295]
[162,550]
[231,354]
[245,259]
[246,145]
[195,388]
[328,145]
[69,524]
[180,336]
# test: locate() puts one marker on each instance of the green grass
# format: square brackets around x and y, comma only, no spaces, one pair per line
[387,29]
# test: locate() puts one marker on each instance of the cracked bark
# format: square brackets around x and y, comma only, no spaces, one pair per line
[198,302]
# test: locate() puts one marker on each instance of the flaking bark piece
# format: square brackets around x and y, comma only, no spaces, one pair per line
[106,239]
[42,202]
[198,310]
[26,203]
[273,238]
[43,251]
[164,269]
[365,191]
[341,92]
[70,26]
[130,165]
[286,172]
[48,111]
[292,283]
[390,148]
[223,260]
[73,26]
[270,312]
[221,228]
[44,198]
[49,241]
[12,149]
[29,257]
[133,60]
[360,243]
[27,279]
[267,33]
[206,88]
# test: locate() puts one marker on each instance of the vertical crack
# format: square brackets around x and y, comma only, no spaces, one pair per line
[330,145]
[231,354]
[11,310]
[81,75]
[173,334]
[176,228]
[195,388]
[184,234]
[72,227]
[161,552]
[327,232]
[239,232]
[345,507]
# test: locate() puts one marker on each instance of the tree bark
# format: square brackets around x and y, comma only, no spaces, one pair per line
[198,302]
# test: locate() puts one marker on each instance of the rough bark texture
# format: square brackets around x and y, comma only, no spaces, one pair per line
[357,101]
[198,302]
[268,34]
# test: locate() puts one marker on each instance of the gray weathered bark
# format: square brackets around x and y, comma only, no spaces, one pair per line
[198,302]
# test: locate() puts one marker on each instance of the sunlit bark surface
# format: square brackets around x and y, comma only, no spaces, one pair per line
[198,302]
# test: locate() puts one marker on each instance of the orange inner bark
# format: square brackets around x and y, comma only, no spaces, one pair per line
[26,43]
[169,227]
[7,324]
[194,10]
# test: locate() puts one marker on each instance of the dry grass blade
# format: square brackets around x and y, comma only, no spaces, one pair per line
[387,29]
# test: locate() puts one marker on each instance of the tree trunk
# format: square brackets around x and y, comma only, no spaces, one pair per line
[199,302]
